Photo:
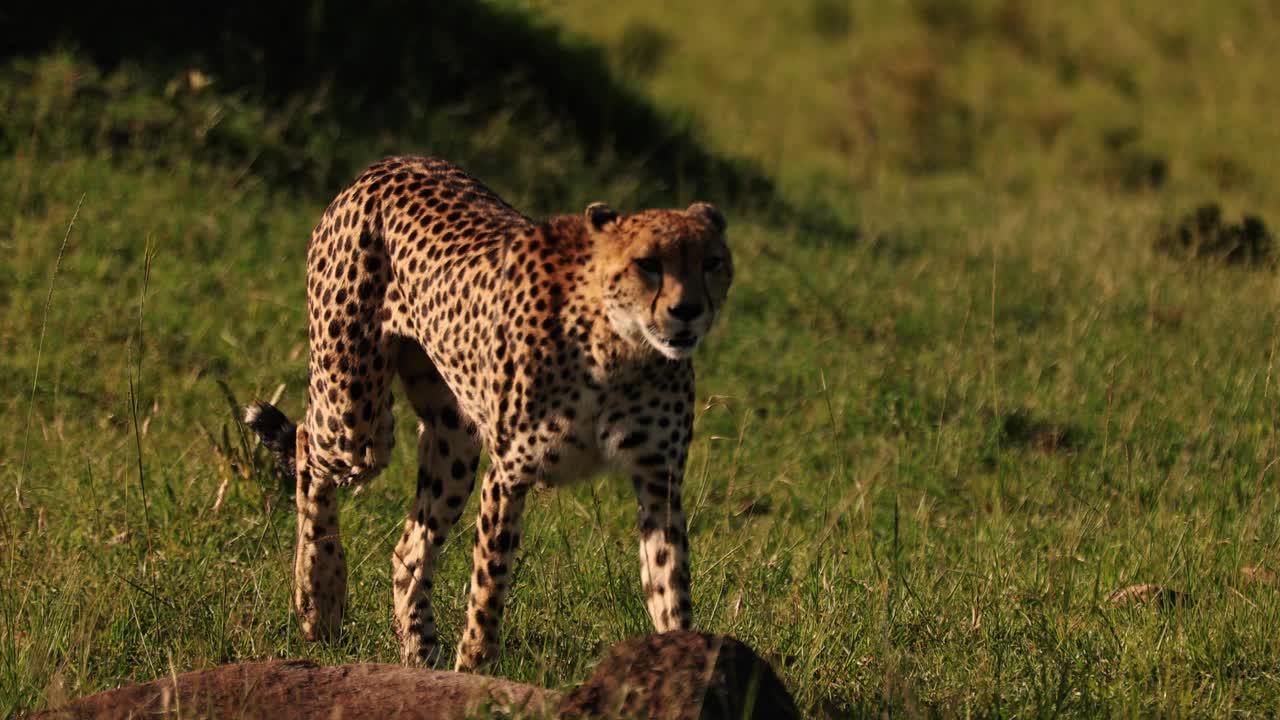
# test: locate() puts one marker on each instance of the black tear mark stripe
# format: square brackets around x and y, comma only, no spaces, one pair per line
[653,306]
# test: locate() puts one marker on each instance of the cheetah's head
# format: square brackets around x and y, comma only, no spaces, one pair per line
[665,273]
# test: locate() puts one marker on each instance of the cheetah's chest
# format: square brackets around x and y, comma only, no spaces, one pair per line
[564,447]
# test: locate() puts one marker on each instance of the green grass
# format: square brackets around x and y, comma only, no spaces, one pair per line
[924,458]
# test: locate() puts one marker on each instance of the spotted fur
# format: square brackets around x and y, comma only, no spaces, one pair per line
[562,346]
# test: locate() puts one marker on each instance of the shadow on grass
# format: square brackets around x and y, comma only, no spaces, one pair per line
[380,71]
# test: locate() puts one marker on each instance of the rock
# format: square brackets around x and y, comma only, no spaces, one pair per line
[289,689]
[677,675]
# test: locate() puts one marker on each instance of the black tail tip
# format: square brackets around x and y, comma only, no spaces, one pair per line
[271,425]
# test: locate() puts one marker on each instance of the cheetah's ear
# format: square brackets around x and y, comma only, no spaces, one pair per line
[600,214]
[708,212]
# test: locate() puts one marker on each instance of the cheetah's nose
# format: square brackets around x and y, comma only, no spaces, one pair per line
[686,312]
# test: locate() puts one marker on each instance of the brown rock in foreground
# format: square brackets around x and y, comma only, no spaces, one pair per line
[677,675]
[285,690]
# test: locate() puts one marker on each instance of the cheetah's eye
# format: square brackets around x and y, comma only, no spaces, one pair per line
[712,264]
[649,266]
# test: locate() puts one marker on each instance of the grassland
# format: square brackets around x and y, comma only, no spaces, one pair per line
[959,396]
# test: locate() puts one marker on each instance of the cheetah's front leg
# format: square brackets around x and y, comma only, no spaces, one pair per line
[319,566]
[498,528]
[447,455]
[664,548]
[652,451]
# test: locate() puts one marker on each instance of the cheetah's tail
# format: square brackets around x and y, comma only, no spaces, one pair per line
[277,434]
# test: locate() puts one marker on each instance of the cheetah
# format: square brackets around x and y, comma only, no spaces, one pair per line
[563,347]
